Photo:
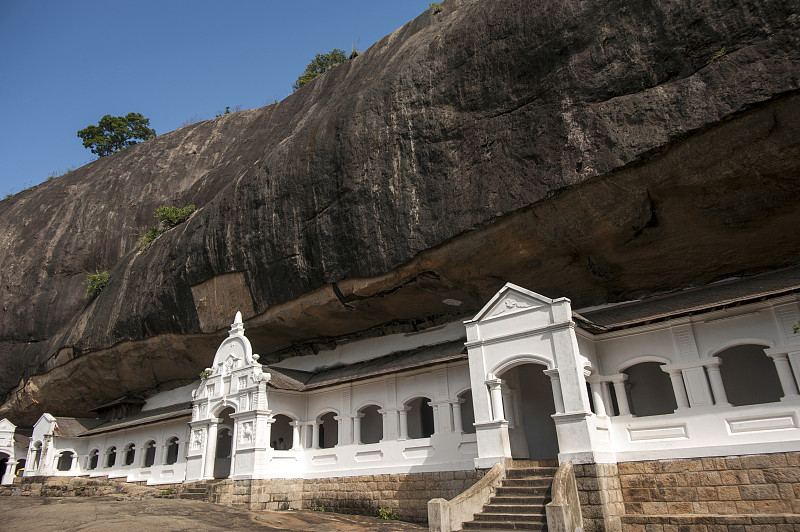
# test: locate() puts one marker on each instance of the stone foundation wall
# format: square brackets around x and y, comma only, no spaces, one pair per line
[700,494]
[600,496]
[755,484]
[406,495]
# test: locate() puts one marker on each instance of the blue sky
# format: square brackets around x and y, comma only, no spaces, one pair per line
[65,64]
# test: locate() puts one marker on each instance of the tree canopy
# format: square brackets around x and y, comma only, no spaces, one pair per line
[114,133]
[320,64]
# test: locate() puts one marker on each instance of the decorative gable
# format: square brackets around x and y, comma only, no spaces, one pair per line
[7,426]
[235,351]
[511,299]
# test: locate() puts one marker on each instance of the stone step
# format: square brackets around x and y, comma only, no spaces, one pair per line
[547,462]
[516,509]
[526,472]
[503,525]
[515,491]
[526,482]
[539,500]
[194,496]
[511,517]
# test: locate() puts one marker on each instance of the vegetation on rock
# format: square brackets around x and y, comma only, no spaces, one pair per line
[319,65]
[95,282]
[114,133]
[168,217]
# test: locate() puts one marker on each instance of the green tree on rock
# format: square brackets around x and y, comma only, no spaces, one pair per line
[319,65]
[114,133]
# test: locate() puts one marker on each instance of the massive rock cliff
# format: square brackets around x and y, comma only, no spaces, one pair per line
[596,150]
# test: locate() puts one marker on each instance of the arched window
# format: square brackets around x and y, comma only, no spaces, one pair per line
[371,424]
[749,376]
[130,453]
[281,431]
[149,453]
[20,468]
[172,450]
[91,462]
[65,461]
[111,457]
[328,431]
[467,412]
[420,418]
[649,390]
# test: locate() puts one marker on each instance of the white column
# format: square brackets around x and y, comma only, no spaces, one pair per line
[403,423]
[555,383]
[508,406]
[385,420]
[785,375]
[622,396]
[297,442]
[607,401]
[496,394]
[597,397]
[315,435]
[211,450]
[357,428]
[678,388]
[458,427]
[717,387]
[443,420]
[161,454]
[345,429]
[794,361]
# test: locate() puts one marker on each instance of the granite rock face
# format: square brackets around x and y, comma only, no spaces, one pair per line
[596,150]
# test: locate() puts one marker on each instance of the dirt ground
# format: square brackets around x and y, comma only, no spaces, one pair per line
[103,514]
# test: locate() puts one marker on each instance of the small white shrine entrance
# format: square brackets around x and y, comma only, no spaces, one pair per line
[230,423]
[529,407]
[528,380]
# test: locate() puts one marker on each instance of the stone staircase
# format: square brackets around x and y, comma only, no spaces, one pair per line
[197,491]
[518,503]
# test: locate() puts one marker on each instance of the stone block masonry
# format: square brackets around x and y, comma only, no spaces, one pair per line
[755,492]
[407,495]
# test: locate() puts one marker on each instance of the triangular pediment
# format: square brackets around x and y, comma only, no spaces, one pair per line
[7,426]
[511,299]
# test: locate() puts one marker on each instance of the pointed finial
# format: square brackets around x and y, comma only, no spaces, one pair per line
[237,328]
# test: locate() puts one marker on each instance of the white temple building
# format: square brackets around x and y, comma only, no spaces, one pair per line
[710,371]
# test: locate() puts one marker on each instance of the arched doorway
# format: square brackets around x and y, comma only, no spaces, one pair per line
[37,455]
[3,465]
[528,406]
[224,448]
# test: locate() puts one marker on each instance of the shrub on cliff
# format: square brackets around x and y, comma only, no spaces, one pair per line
[168,217]
[319,65]
[95,282]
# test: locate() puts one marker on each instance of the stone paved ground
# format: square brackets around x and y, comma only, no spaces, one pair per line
[104,514]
